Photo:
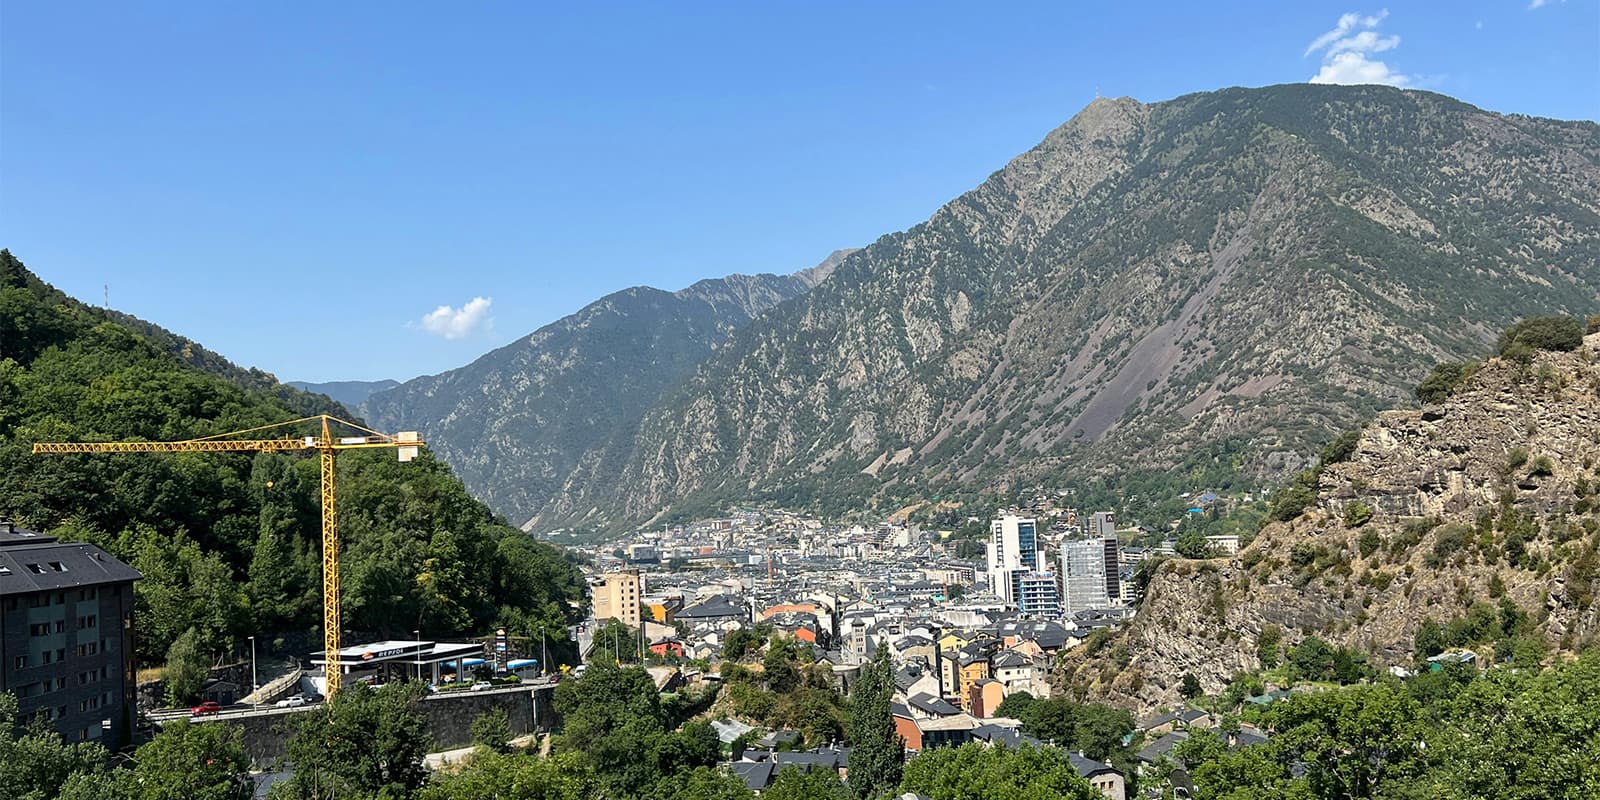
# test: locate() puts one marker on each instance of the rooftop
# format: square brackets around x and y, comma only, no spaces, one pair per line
[30,562]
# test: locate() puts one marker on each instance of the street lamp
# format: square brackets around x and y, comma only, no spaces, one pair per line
[255,687]
[416,639]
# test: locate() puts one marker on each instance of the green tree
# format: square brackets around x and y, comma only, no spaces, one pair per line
[615,643]
[1429,641]
[1190,687]
[1340,449]
[1193,544]
[365,742]
[975,772]
[744,641]
[1311,659]
[1352,741]
[703,783]
[35,764]
[517,776]
[613,716]
[877,753]
[492,730]
[1442,380]
[1267,645]
[1100,731]
[1015,705]
[1517,735]
[190,762]
[792,784]
[187,669]
[778,665]
[1541,333]
[693,745]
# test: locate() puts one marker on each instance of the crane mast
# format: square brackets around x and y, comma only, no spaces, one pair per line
[405,443]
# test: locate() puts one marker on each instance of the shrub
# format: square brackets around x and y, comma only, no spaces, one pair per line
[1442,380]
[1341,448]
[1303,554]
[1542,467]
[1562,334]
[1355,515]
[1516,457]
[1368,543]
[1449,540]
[1292,501]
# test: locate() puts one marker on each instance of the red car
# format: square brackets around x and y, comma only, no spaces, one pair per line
[208,707]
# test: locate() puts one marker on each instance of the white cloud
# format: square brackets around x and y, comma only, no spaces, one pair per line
[1347,52]
[457,323]
[1536,4]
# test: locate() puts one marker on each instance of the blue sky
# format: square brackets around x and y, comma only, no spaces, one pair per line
[303,186]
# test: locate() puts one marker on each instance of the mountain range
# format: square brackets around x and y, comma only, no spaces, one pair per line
[350,394]
[514,423]
[1214,284]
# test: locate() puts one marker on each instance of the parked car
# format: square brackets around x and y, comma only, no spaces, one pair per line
[208,707]
[293,701]
[481,685]
[314,698]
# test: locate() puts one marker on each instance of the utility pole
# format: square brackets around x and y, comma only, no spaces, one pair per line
[255,686]
[544,652]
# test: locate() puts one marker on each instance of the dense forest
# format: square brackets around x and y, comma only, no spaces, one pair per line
[229,542]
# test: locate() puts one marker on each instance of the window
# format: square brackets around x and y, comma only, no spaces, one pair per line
[57,566]
[88,649]
[44,658]
[39,629]
[61,654]
[39,601]
[61,626]
[89,621]
[61,683]
[37,569]
[20,662]
[5,570]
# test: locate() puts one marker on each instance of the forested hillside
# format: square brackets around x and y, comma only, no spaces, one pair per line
[229,543]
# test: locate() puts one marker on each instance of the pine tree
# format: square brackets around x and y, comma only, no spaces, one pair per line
[877,753]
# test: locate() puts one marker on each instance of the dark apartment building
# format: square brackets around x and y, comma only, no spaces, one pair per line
[66,635]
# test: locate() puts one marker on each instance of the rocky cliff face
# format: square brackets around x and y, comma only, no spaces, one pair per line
[514,423]
[1250,268]
[1492,493]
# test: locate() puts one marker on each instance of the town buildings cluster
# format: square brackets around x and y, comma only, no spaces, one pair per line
[963,632]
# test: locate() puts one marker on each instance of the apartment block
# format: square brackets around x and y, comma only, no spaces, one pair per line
[66,635]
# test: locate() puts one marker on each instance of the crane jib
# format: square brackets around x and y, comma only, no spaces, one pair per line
[405,444]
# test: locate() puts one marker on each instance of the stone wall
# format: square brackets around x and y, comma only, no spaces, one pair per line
[449,718]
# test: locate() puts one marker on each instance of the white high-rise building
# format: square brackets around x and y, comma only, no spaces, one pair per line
[1013,551]
[1089,575]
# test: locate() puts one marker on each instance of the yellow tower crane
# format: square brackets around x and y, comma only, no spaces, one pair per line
[405,442]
